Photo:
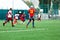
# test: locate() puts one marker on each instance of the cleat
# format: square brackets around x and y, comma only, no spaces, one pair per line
[3,24]
[13,26]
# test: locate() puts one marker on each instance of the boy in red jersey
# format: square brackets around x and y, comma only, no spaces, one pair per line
[9,17]
[22,17]
[31,16]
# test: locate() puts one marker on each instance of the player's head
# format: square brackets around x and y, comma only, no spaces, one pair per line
[10,9]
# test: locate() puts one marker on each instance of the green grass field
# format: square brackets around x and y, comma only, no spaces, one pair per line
[44,30]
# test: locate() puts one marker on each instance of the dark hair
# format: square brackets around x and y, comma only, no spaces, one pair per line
[10,8]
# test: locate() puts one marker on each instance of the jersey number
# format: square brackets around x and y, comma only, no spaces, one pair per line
[31,11]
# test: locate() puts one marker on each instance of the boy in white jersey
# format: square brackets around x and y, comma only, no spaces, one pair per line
[9,17]
[15,18]
[39,17]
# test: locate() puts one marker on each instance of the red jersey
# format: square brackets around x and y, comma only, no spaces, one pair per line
[22,17]
[31,12]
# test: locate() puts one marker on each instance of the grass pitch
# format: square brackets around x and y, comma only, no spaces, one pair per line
[44,30]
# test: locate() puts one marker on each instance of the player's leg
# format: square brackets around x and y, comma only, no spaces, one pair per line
[33,22]
[12,22]
[5,22]
[23,20]
[28,23]
[40,18]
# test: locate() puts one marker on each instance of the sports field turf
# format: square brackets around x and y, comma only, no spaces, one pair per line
[44,30]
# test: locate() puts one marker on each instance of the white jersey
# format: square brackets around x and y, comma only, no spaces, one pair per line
[39,15]
[9,14]
[16,16]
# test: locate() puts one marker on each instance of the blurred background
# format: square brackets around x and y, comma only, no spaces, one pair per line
[49,9]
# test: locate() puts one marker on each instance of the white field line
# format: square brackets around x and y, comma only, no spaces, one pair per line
[24,30]
[12,28]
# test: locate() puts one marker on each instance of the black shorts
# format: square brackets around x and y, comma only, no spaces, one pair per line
[31,19]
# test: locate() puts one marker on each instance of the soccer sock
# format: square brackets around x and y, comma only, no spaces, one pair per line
[33,23]
[28,23]
[15,21]
[5,22]
[12,23]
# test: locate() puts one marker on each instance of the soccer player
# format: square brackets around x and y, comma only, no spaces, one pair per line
[9,17]
[31,16]
[39,17]
[22,17]
[15,18]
